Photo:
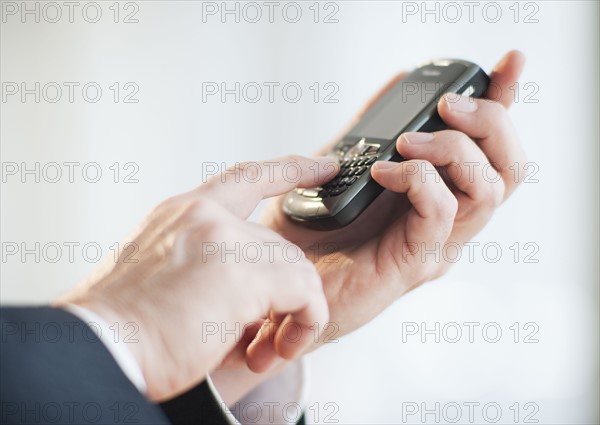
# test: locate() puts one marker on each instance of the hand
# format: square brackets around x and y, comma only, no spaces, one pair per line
[199,262]
[376,259]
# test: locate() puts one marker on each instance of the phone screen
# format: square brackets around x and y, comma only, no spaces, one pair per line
[387,118]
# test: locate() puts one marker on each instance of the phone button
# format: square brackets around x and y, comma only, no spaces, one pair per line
[370,161]
[359,171]
[337,191]
[468,91]
[311,193]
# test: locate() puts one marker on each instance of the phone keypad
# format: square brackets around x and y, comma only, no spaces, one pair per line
[350,171]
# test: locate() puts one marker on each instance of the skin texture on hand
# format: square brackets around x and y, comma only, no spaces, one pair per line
[192,269]
[431,200]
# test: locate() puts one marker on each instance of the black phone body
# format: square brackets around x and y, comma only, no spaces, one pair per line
[410,105]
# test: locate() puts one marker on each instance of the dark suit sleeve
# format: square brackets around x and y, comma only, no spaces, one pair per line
[54,369]
[200,402]
[197,403]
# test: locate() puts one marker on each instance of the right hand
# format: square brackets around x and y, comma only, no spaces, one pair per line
[383,254]
[201,266]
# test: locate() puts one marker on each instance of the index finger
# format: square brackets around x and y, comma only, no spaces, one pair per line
[504,75]
[241,187]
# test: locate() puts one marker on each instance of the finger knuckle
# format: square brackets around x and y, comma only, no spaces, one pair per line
[450,135]
[495,116]
[428,172]
[249,170]
[198,209]
[495,109]
[206,215]
[496,193]
[446,205]
[169,204]
[211,230]
[462,139]
[487,193]
[208,236]
[422,166]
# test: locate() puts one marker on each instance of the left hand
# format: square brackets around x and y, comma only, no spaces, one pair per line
[372,262]
[202,273]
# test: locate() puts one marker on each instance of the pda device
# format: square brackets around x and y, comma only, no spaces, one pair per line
[409,105]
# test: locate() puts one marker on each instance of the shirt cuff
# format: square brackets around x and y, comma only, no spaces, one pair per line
[118,350]
[279,400]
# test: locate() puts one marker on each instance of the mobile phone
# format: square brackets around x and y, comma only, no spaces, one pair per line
[410,105]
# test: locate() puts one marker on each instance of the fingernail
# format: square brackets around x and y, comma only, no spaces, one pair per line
[384,165]
[416,138]
[459,103]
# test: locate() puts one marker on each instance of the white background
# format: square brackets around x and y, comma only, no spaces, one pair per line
[370,376]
